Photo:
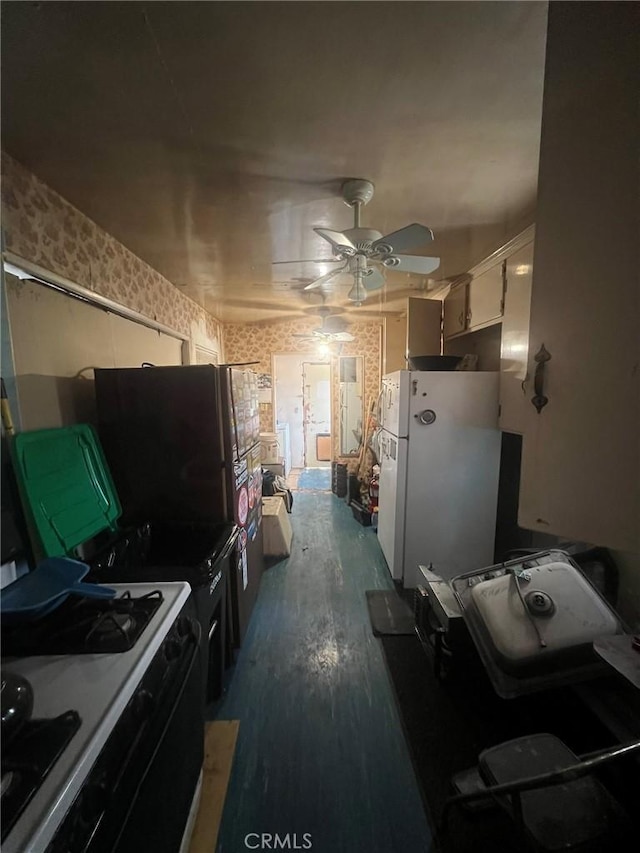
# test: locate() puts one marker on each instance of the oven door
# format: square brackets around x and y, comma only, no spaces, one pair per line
[214,619]
[173,772]
[156,747]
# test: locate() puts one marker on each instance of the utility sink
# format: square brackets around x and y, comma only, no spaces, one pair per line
[534,621]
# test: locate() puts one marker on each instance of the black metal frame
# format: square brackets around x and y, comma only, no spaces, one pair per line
[586,765]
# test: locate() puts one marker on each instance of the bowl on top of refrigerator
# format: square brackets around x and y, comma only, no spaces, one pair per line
[434,362]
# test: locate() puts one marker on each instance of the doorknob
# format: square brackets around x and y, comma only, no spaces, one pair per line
[426,417]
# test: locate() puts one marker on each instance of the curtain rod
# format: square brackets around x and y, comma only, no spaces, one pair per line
[15,265]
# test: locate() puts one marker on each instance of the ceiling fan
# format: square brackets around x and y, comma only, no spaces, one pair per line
[363,252]
[332,329]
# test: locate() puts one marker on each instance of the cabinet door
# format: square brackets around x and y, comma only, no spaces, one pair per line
[394,349]
[581,452]
[423,326]
[485,297]
[455,310]
[514,346]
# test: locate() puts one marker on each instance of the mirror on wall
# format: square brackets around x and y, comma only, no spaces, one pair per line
[351,403]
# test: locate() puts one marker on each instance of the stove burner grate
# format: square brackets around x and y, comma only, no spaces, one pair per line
[85,626]
[28,759]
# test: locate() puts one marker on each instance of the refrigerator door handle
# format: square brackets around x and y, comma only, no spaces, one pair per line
[230,545]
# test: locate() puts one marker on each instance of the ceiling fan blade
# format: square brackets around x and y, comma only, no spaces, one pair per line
[309,261]
[342,337]
[374,281]
[412,263]
[324,278]
[412,237]
[340,242]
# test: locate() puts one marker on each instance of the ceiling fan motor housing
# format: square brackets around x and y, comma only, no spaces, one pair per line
[363,238]
[357,191]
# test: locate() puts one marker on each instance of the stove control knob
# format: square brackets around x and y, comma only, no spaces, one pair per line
[183,626]
[171,649]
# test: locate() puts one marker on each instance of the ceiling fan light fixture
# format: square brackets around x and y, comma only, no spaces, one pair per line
[357,294]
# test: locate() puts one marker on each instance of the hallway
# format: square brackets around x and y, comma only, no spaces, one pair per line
[320,747]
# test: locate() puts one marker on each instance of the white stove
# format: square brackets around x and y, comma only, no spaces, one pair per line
[98,687]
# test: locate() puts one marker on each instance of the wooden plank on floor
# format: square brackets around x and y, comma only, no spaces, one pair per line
[219,746]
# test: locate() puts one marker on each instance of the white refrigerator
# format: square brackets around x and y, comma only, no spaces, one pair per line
[439,448]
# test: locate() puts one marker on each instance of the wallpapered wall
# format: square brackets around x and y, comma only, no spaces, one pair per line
[41,227]
[256,342]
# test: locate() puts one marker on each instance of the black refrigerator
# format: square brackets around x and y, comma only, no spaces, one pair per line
[183,444]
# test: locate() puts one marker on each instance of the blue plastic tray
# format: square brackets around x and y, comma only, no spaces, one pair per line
[39,592]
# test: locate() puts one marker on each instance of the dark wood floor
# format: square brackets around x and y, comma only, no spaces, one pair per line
[320,747]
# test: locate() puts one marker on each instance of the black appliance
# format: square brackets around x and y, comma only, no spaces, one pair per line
[89,780]
[183,444]
[28,759]
[195,552]
[439,622]
[157,740]
[75,509]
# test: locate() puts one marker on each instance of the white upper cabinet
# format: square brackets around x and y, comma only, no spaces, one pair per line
[581,449]
[514,346]
[485,296]
[417,332]
[455,311]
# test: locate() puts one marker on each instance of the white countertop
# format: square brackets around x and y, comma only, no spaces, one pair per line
[98,687]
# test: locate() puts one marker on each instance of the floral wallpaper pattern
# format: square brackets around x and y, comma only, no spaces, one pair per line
[257,341]
[41,227]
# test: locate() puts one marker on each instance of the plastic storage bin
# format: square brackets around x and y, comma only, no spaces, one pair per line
[269,448]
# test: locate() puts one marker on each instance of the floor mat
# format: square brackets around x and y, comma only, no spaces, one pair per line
[314,479]
[388,613]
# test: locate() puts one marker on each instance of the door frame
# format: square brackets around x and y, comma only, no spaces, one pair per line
[303,357]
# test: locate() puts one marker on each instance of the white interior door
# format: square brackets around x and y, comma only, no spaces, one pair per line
[287,371]
[316,385]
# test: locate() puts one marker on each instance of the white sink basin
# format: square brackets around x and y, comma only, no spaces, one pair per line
[542,635]
[563,606]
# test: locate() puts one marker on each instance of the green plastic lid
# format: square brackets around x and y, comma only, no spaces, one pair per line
[66,486]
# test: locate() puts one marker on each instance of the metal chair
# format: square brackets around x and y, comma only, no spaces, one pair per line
[548,791]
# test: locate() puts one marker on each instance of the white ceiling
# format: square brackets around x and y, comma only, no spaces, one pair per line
[210,137]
